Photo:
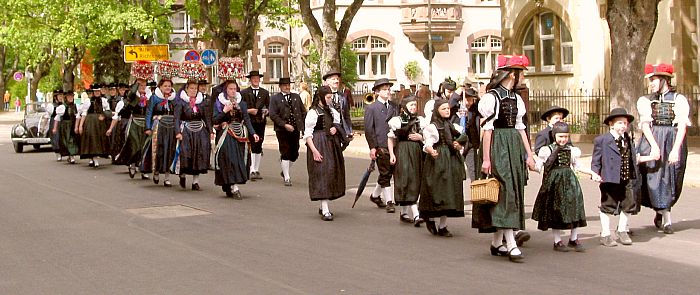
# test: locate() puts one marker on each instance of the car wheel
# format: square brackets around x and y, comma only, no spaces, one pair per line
[18,147]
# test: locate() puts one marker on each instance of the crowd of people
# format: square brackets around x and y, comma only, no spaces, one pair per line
[422,160]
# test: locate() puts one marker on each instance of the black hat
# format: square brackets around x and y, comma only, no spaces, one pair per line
[560,127]
[471,92]
[554,109]
[95,86]
[380,82]
[331,73]
[152,84]
[69,92]
[112,85]
[285,80]
[58,91]
[618,112]
[203,82]
[449,85]
[122,85]
[254,73]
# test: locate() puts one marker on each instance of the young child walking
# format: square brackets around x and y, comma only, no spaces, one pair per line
[551,116]
[559,204]
[614,160]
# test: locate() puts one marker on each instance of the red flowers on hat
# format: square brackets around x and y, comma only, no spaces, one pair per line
[142,70]
[193,71]
[230,68]
[512,62]
[658,70]
[168,69]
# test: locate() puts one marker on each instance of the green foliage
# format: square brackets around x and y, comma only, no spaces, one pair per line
[348,64]
[52,80]
[412,70]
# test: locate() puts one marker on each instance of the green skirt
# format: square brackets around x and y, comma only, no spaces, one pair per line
[407,172]
[68,139]
[442,192]
[508,167]
[559,203]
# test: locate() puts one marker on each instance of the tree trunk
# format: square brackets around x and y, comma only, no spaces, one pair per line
[39,71]
[72,60]
[632,25]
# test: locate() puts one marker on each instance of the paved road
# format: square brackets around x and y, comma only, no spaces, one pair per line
[69,230]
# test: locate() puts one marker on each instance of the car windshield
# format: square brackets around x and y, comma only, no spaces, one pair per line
[36,107]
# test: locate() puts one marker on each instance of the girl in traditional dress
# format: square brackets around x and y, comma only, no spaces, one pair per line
[232,162]
[58,97]
[92,128]
[506,150]
[192,130]
[160,126]
[134,107]
[66,115]
[406,154]
[559,204]
[664,117]
[442,193]
[324,156]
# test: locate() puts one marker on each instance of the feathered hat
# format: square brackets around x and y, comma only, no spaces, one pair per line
[142,70]
[168,69]
[192,71]
[230,68]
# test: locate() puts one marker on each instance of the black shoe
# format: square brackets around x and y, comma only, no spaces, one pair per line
[443,232]
[195,186]
[257,175]
[252,176]
[405,218]
[320,212]
[167,183]
[560,247]
[430,225]
[668,229]
[288,182]
[515,258]
[145,176]
[132,172]
[377,201]
[417,221]
[237,195]
[156,178]
[91,164]
[499,251]
[577,245]
[390,207]
[327,217]
[521,237]
[183,182]
[658,219]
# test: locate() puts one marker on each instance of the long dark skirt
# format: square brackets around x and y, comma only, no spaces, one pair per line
[118,138]
[326,178]
[132,151]
[55,137]
[68,140]
[194,149]
[163,142]
[662,183]
[442,192]
[508,167]
[559,203]
[407,172]
[232,165]
[93,140]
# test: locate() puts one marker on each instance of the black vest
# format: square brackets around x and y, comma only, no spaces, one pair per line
[662,110]
[507,108]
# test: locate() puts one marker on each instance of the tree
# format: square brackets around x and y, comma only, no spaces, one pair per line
[329,39]
[632,25]
[348,65]
[233,24]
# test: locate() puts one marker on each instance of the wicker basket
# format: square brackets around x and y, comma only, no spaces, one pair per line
[485,191]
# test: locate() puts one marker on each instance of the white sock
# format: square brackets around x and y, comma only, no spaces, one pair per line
[557,235]
[258,159]
[574,234]
[443,222]
[324,207]
[497,238]
[389,194]
[377,191]
[622,224]
[195,179]
[285,169]
[510,242]
[414,209]
[253,163]
[666,217]
[95,161]
[235,188]
[604,224]
[167,175]
[404,210]
[58,156]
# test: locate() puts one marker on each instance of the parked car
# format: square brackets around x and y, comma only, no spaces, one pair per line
[34,129]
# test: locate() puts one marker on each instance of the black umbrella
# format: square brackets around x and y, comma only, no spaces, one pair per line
[363,182]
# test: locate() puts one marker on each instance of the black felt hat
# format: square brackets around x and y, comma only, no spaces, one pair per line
[554,109]
[471,92]
[380,82]
[254,73]
[618,112]
[331,73]
[284,80]
[560,127]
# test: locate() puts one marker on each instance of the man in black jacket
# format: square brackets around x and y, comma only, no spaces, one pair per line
[287,112]
[258,100]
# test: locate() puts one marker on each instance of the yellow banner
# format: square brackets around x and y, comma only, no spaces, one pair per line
[133,53]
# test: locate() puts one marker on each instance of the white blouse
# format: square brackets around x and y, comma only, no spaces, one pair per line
[431,135]
[395,124]
[488,103]
[86,106]
[312,119]
[545,152]
[681,109]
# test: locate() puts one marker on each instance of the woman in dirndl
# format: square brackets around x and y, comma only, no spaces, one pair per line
[66,115]
[193,133]
[324,157]
[92,128]
[442,193]
[232,157]
[134,107]
[58,97]
[505,153]
[406,154]
[664,118]
[160,126]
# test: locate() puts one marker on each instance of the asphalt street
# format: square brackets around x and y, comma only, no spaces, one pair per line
[71,229]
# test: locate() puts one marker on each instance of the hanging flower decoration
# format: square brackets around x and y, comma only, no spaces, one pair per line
[193,70]
[230,68]
[168,69]
[142,70]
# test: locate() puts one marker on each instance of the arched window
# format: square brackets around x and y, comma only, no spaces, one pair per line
[372,56]
[275,52]
[483,52]
[547,43]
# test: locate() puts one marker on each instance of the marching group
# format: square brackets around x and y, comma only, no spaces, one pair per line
[154,129]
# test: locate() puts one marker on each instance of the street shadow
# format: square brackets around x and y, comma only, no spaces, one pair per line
[649,232]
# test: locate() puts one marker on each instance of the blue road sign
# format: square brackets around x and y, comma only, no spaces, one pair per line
[208,57]
[192,55]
